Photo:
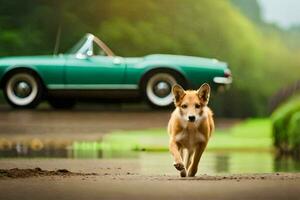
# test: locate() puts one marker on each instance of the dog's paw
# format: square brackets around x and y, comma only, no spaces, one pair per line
[183,173]
[179,166]
[192,173]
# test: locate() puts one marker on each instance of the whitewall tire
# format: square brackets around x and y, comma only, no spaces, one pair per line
[23,90]
[158,89]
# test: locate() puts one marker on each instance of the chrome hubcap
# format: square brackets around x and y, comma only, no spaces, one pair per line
[22,89]
[162,89]
[159,89]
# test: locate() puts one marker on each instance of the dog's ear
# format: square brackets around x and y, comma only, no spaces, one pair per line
[204,93]
[178,93]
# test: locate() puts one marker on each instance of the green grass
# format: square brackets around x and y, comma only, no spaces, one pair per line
[252,134]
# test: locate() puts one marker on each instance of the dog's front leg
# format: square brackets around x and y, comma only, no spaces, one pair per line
[192,170]
[178,163]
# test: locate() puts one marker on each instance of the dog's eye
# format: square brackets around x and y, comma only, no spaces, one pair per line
[184,106]
[197,105]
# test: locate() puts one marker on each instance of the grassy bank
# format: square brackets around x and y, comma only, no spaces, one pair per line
[252,134]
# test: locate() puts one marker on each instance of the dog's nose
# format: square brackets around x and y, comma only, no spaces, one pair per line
[192,118]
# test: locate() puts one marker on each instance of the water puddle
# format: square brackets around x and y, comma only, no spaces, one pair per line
[223,163]
[213,162]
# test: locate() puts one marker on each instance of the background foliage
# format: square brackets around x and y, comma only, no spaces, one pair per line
[286,126]
[261,56]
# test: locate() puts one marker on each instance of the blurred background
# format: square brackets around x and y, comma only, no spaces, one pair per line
[259,39]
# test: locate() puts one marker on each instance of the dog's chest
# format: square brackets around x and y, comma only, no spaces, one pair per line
[190,137]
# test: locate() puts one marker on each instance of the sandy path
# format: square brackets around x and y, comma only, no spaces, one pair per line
[104,188]
[122,179]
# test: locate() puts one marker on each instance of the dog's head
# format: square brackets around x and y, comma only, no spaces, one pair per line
[191,102]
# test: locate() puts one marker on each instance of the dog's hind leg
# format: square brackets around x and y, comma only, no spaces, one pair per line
[188,157]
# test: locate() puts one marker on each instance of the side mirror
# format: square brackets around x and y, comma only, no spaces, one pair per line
[89,53]
[81,56]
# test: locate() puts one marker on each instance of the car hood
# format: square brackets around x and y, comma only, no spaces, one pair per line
[187,60]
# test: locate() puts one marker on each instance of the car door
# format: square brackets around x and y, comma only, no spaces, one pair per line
[94,72]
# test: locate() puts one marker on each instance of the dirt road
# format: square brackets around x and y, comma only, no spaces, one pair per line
[123,179]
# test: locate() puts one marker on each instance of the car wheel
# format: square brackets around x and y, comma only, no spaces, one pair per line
[59,103]
[23,90]
[157,88]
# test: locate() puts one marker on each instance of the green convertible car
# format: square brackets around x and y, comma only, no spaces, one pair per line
[90,70]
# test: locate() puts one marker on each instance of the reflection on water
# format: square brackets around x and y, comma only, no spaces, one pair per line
[221,163]
[286,164]
[159,162]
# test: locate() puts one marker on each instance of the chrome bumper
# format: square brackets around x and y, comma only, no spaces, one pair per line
[223,80]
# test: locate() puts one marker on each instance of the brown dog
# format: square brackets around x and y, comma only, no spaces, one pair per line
[190,127]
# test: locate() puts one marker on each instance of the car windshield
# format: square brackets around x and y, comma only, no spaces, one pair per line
[90,45]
